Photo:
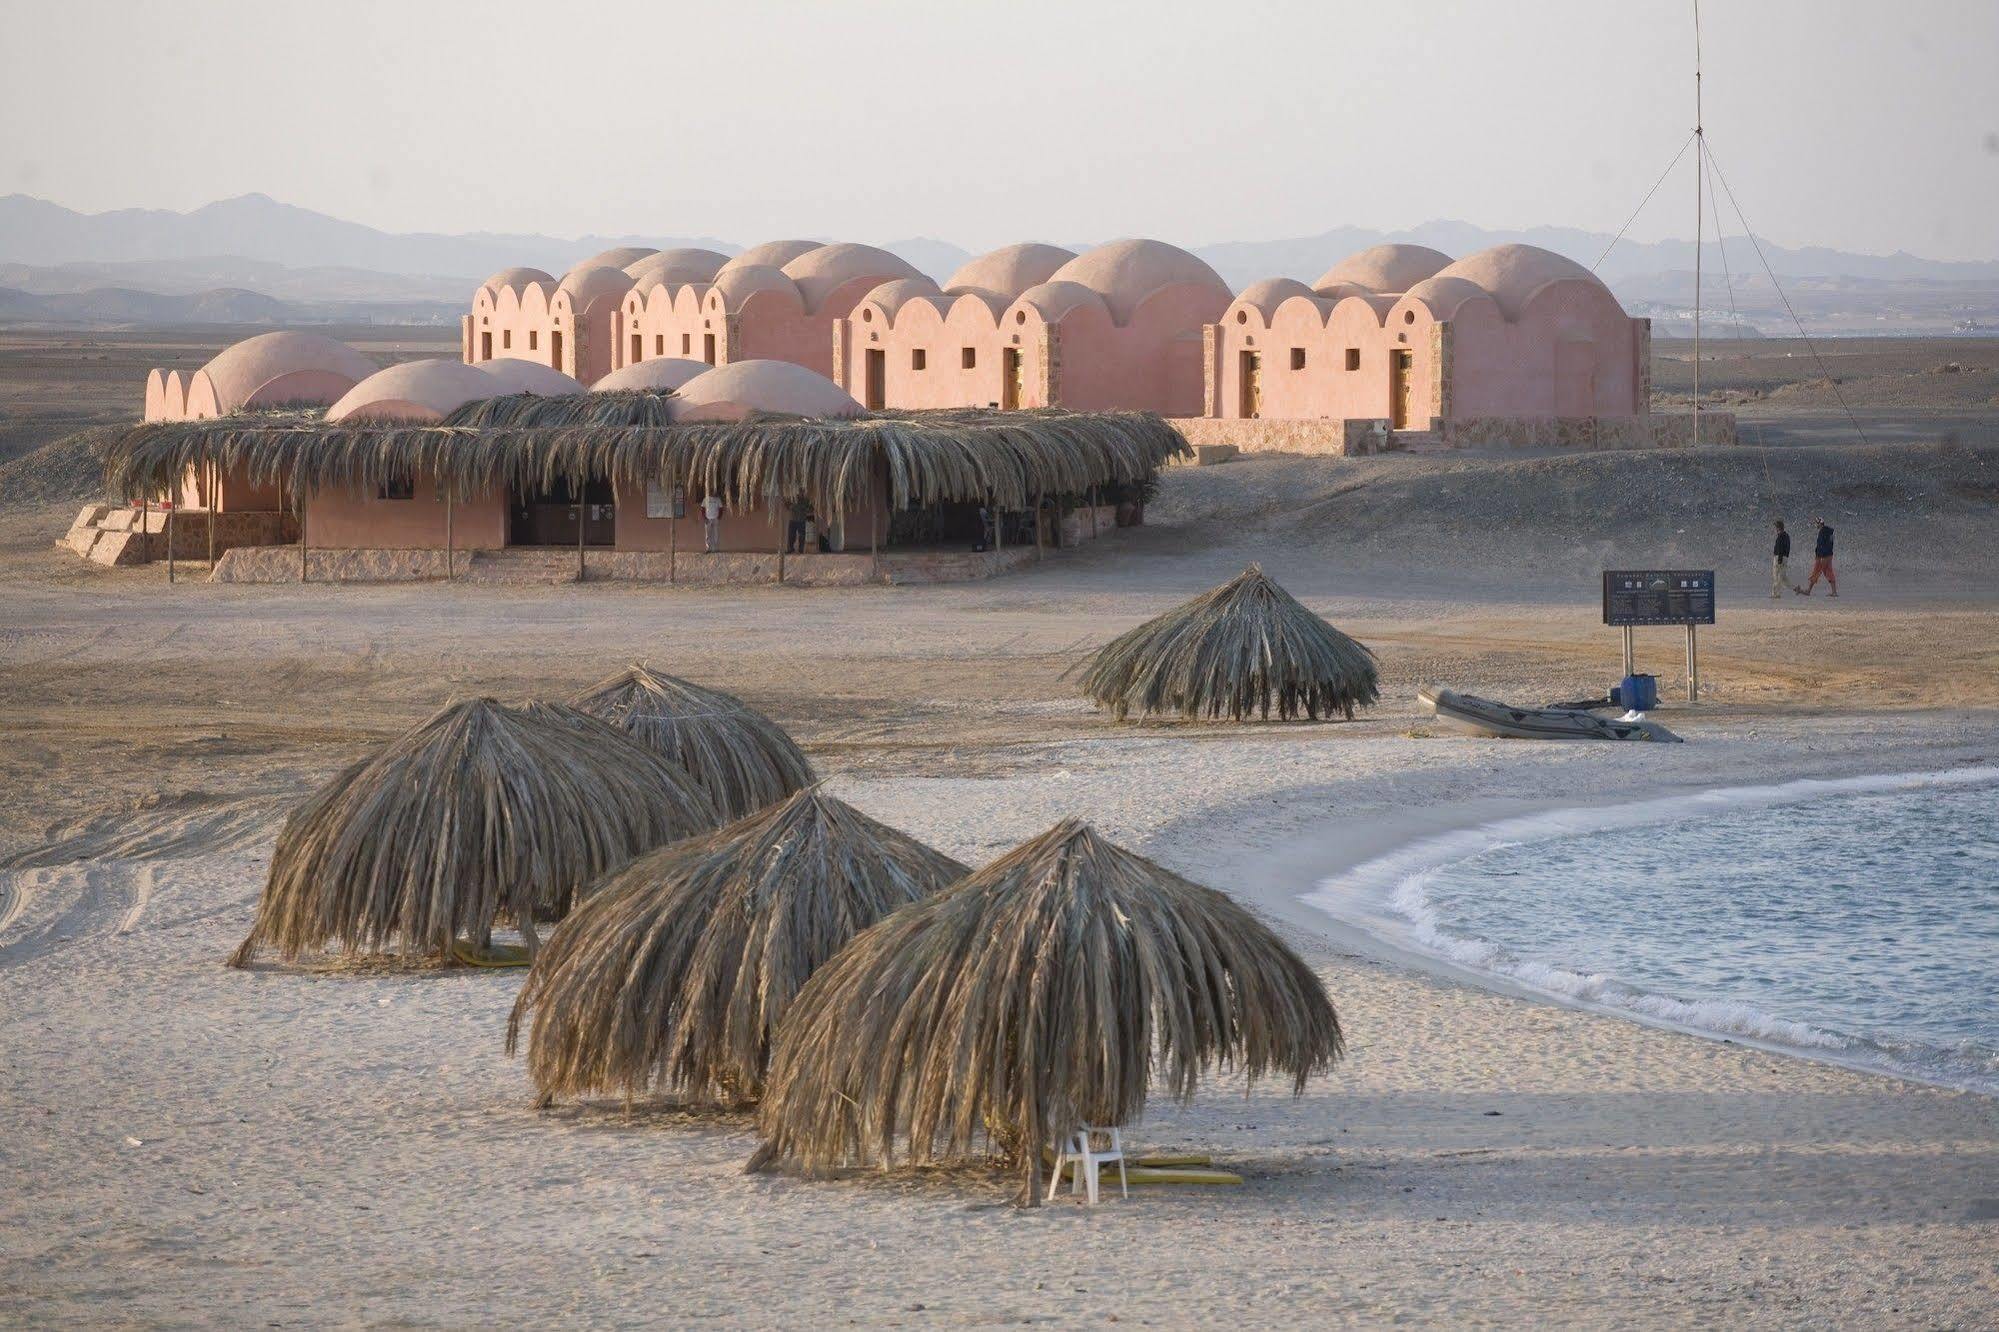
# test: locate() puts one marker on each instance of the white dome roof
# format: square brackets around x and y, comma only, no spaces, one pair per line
[518,375]
[415,391]
[1270,293]
[1384,268]
[618,256]
[662,374]
[239,371]
[1125,272]
[676,266]
[772,254]
[518,278]
[586,285]
[1511,274]
[742,387]
[892,296]
[820,271]
[1009,271]
[1055,299]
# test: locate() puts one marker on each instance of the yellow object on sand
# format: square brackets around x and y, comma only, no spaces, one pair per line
[1138,1175]
[500,955]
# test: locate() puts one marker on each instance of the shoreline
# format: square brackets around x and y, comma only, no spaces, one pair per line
[1338,885]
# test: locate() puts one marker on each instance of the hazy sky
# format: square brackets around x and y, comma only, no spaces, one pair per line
[1868,126]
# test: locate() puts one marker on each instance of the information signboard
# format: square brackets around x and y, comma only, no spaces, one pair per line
[1658,596]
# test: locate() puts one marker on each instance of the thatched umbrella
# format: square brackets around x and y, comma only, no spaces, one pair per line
[741,758]
[479,814]
[1231,652]
[1035,997]
[675,970]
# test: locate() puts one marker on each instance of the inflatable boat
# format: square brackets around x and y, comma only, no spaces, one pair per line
[1482,716]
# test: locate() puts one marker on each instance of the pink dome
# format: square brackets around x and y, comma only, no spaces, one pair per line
[586,286]
[1009,271]
[1125,272]
[735,390]
[415,391]
[674,267]
[820,272]
[618,256]
[1511,274]
[273,368]
[772,254]
[1052,300]
[892,296]
[517,375]
[1383,268]
[736,285]
[1267,295]
[1444,294]
[662,374]
[517,278]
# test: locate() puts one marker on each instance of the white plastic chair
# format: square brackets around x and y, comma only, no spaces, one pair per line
[1080,1151]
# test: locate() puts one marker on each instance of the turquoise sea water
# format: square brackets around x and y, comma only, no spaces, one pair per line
[1857,919]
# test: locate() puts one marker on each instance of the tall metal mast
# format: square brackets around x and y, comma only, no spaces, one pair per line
[1700,171]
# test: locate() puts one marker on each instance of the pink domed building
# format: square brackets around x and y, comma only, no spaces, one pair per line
[1503,346]
[568,326]
[1115,328]
[761,305]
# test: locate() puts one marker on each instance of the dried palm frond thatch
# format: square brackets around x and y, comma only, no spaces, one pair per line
[675,970]
[741,758]
[1006,457]
[482,813]
[1233,651]
[1034,997]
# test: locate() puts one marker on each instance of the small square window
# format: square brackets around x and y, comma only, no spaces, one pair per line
[1353,358]
[686,343]
[506,337]
[968,359]
[534,339]
[919,359]
[401,489]
[1297,358]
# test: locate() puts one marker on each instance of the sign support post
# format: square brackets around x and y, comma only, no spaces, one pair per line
[1632,597]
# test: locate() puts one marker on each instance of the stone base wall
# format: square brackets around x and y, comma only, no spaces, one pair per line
[280,564]
[1353,437]
[1326,436]
[1654,431]
[117,534]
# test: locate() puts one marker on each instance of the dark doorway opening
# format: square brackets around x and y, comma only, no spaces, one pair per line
[877,378]
[548,517]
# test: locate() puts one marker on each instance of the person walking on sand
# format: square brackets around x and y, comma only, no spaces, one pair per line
[1821,562]
[711,523]
[1780,562]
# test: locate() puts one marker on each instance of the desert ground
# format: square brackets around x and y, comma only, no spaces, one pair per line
[189,1144]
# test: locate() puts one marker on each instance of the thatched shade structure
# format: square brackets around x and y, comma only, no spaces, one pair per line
[675,970]
[741,758]
[1234,651]
[1036,996]
[482,813]
[1009,458]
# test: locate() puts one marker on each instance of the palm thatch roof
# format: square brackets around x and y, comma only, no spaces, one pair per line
[1006,457]
[483,813]
[675,970]
[1041,994]
[741,758]
[1233,651]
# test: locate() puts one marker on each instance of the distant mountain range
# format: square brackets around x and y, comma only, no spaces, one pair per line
[59,265]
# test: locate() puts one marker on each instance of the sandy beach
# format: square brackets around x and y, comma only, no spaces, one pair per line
[284,1146]
[189,1144]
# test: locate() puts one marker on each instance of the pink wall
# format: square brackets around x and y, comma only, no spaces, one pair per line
[529,322]
[1573,352]
[339,518]
[943,336]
